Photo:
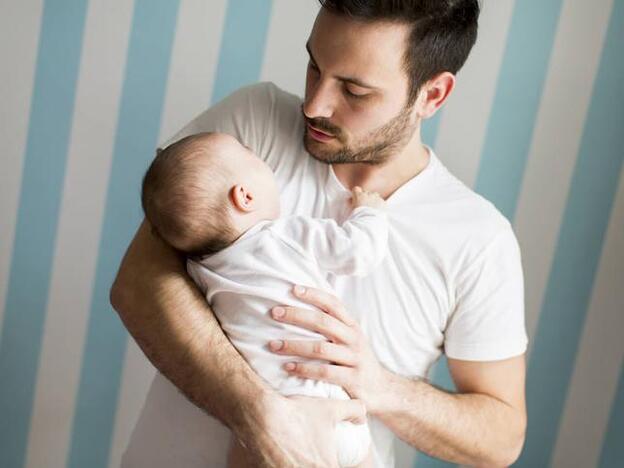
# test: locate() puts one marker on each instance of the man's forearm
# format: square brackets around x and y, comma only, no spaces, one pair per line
[175,328]
[472,429]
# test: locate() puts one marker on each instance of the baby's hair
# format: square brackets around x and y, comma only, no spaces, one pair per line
[185,196]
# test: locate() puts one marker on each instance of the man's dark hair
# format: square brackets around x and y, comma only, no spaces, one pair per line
[442,32]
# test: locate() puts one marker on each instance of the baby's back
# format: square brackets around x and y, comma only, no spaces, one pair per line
[244,281]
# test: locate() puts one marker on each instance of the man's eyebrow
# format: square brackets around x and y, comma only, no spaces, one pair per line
[347,79]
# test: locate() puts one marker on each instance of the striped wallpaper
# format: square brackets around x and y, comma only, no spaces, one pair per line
[89,87]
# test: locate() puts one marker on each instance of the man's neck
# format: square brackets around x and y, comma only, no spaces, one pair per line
[385,178]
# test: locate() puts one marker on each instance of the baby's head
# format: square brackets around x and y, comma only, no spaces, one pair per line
[202,192]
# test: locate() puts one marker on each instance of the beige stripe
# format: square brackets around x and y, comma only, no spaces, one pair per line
[194,60]
[285,58]
[463,124]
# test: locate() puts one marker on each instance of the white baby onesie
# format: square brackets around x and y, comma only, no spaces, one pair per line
[244,281]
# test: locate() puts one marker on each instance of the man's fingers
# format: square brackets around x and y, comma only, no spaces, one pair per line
[338,375]
[324,350]
[324,301]
[349,410]
[317,321]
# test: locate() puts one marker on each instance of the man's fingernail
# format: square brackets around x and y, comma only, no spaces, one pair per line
[276,345]
[289,366]
[299,290]
[278,312]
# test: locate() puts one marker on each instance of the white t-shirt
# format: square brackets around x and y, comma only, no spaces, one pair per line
[451,281]
[244,281]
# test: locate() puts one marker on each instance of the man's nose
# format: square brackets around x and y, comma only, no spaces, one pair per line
[319,101]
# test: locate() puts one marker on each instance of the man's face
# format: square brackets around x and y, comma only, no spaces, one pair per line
[356,91]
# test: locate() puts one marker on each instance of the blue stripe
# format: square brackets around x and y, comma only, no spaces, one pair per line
[578,250]
[149,51]
[613,448]
[425,461]
[441,378]
[51,113]
[512,120]
[441,375]
[430,127]
[242,45]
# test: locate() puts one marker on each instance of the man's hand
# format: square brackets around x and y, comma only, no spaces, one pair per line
[299,431]
[351,362]
[488,417]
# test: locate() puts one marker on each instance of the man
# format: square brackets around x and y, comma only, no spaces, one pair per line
[451,283]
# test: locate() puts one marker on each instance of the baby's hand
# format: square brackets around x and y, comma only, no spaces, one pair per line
[363,198]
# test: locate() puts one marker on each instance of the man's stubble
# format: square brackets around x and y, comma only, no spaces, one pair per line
[374,149]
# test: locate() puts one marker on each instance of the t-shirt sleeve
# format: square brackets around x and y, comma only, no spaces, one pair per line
[355,248]
[488,321]
[246,114]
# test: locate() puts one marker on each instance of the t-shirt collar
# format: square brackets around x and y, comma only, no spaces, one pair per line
[418,183]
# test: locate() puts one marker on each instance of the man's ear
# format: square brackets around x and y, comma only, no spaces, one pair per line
[434,94]
[242,198]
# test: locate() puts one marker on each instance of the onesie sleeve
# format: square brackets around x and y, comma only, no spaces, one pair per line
[355,248]
[488,321]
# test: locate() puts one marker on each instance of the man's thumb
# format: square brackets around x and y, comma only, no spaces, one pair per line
[349,410]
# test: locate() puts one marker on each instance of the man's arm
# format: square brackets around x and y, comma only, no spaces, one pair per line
[176,329]
[483,424]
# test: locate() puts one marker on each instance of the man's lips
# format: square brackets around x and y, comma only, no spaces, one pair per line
[318,134]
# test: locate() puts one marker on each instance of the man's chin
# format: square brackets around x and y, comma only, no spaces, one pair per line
[318,150]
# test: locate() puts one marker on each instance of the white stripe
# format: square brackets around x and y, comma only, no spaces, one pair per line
[463,124]
[82,207]
[601,351]
[194,60]
[558,131]
[19,37]
[285,58]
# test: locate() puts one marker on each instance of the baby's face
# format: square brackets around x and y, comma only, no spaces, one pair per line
[253,172]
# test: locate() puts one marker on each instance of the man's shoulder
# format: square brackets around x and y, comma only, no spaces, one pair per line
[474,218]
[265,93]
[268,89]
[249,114]
[263,101]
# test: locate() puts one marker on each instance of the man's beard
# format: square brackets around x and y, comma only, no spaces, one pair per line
[375,148]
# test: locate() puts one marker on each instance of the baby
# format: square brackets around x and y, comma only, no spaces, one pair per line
[212,198]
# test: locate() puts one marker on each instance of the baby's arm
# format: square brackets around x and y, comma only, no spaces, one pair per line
[355,248]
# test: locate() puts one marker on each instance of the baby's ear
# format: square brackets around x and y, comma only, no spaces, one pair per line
[242,198]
